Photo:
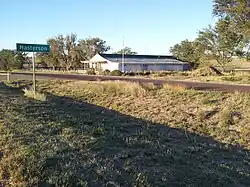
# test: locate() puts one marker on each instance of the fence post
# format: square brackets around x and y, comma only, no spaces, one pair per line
[8,76]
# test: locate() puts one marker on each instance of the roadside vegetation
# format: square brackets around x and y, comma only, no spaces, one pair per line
[35,95]
[122,134]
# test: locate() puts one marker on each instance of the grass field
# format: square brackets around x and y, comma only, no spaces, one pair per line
[232,79]
[123,134]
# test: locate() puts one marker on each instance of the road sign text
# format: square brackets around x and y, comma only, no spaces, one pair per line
[33,48]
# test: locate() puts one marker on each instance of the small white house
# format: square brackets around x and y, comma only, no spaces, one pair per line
[134,63]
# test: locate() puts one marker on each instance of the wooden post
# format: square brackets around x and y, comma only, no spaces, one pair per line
[8,76]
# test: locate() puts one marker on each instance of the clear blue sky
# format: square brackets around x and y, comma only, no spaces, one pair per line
[148,26]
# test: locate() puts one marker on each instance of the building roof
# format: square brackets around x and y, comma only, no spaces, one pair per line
[143,59]
[135,59]
[138,56]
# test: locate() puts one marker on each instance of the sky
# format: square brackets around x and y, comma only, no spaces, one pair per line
[148,26]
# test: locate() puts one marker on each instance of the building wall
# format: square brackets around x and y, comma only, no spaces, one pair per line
[110,66]
[105,63]
[132,67]
[166,67]
[186,67]
[144,67]
[156,67]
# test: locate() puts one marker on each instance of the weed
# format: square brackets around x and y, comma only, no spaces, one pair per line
[141,181]
[174,88]
[150,86]
[225,118]
[35,95]
[98,131]
[201,116]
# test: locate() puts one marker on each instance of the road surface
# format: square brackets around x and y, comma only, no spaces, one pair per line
[187,84]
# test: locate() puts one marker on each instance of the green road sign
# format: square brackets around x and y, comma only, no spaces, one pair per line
[33,48]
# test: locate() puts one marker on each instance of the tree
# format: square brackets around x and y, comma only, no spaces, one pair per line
[190,51]
[68,53]
[91,46]
[237,10]
[126,51]
[10,60]
[64,52]
[20,59]
[222,42]
[50,59]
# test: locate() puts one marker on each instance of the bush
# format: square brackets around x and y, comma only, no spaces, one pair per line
[106,72]
[204,71]
[91,71]
[141,73]
[116,73]
[130,73]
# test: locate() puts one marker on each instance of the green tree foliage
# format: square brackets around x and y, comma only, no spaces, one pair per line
[237,10]
[190,51]
[126,51]
[10,60]
[91,46]
[67,52]
[50,59]
[63,52]
[222,42]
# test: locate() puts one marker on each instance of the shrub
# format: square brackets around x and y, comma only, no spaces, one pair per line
[106,72]
[91,71]
[141,73]
[116,73]
[130,74]
[204,71]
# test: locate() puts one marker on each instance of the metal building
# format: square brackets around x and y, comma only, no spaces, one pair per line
[135,63]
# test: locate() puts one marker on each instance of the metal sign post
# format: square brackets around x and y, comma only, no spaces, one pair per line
[34,73]
[40,48]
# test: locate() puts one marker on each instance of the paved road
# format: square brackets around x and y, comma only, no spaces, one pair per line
[187,84]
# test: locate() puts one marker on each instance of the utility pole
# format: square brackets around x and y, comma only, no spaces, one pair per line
[123,54]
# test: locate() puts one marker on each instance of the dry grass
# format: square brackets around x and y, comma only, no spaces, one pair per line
[145,101]
[237,78]
[30,94]
[110,87]
[124,134]
[175,88]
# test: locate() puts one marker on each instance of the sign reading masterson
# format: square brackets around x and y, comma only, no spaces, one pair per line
[42,48]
